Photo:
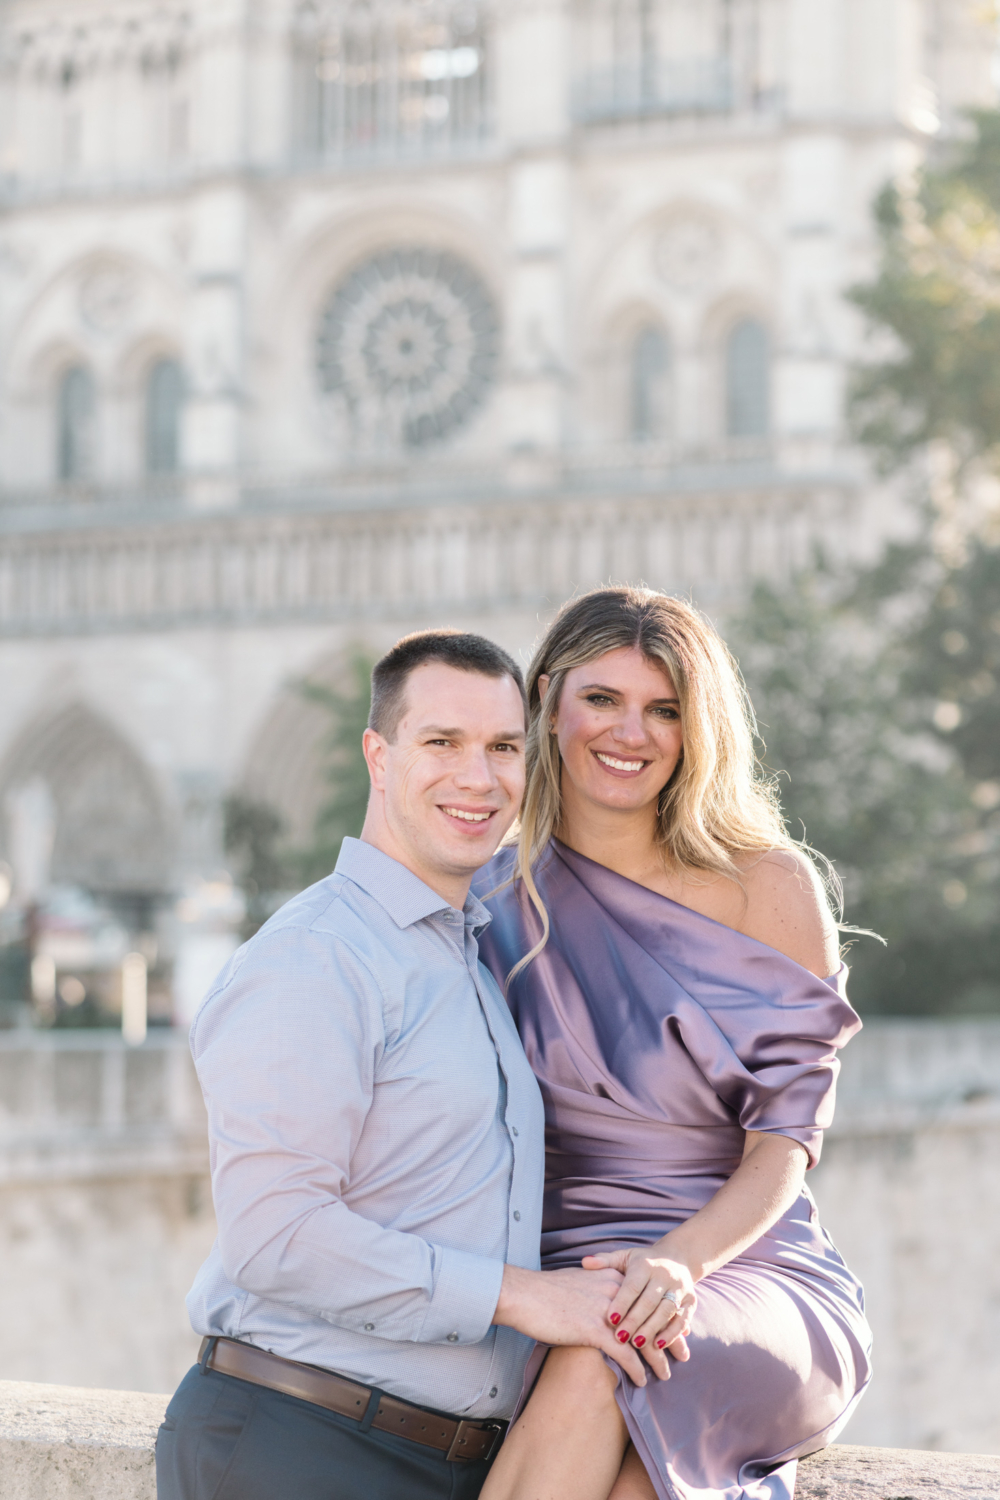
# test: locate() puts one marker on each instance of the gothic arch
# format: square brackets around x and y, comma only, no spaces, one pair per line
[284,767]
[111,834]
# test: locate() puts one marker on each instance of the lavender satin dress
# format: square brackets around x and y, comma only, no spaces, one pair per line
[659,1037]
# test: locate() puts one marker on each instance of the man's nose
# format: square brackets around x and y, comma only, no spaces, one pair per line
[475,772]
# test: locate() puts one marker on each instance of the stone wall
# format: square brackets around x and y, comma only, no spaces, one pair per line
[908,1187]
[105,1207]
[57,1443]
[105,1215]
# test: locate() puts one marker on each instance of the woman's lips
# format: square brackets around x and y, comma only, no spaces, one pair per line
[621,767]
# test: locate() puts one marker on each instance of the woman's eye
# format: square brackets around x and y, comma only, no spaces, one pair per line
[600,699]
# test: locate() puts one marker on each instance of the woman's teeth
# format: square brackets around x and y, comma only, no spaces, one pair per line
[620,765]
[467,817]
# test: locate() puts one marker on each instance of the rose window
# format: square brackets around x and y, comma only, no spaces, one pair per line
[408,343]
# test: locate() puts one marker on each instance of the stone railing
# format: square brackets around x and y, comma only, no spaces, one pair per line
[60,1443]
[151,571]
[80,1104]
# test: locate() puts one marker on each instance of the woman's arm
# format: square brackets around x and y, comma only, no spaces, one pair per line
[767,1181]
[764,1185]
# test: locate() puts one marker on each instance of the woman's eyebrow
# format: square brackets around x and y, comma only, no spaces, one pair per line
[598,687]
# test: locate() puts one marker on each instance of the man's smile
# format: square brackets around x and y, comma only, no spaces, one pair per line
[466,815]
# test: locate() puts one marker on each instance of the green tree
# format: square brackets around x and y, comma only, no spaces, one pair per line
[877,688]
[935,309]
[252,837]
[876,710]
[342,813]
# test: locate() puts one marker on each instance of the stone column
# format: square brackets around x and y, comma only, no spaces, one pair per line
[215,331]
[533,52]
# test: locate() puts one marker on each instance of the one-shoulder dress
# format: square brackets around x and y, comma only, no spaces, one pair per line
[659,1037]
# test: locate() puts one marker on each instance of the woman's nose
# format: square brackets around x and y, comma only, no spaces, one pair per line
[630,730]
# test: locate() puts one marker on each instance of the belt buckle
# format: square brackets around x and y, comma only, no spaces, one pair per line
[453,1456]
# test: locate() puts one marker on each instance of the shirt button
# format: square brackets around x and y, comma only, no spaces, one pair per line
[493,1391]
[513,1130]
[369,1328]
[453,1338]
[517,1214]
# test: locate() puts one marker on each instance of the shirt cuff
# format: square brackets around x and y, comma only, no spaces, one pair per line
[466,1293]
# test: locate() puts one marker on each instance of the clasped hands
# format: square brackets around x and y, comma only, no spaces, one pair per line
[640,1311]
[614,1303]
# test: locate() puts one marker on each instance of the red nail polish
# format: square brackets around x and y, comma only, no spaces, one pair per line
[639,1340]
[616,1319]
[622,1335]
[661,1343]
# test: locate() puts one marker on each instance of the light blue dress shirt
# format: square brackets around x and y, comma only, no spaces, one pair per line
[377,1143]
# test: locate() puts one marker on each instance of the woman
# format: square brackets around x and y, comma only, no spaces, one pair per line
[674,972]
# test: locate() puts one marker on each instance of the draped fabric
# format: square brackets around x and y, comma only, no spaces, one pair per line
[659,1037]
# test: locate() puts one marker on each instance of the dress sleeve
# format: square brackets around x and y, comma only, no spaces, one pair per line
[773,1057]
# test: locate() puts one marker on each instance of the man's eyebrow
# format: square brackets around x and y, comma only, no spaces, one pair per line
[599,687]
[458,734]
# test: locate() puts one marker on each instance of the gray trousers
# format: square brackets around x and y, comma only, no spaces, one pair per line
[224,1439]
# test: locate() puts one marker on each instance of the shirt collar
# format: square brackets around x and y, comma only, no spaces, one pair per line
[404,895]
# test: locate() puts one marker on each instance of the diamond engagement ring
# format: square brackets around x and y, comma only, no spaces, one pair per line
[671,1297]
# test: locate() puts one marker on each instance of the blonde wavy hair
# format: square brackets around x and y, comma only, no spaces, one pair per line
[718,805]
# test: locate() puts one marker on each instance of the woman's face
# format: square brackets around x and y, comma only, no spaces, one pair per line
[619,730]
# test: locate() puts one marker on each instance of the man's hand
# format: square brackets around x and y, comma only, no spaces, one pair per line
[567,1307]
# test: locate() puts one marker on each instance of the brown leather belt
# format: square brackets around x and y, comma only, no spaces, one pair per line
[459,1441]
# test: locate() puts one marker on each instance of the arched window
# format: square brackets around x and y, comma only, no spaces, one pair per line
[748,378]
[650,385]
[164,401]
[76,416]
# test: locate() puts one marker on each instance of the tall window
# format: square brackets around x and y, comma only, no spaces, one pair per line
[76,415]
[748,378]
[392,78]
[164,403]
[650,385]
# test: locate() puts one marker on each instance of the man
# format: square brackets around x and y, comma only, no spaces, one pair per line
[376,1142]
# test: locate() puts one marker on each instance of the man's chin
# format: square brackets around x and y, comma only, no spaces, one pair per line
[464,855]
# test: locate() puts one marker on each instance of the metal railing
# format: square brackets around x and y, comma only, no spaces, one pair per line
[392,79]
[645,58]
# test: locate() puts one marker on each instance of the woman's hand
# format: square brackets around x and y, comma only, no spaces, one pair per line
[641,1312]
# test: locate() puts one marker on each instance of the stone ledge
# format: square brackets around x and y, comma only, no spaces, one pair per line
[61,1443]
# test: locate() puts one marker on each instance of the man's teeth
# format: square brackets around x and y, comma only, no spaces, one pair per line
[467,817]
[621,765]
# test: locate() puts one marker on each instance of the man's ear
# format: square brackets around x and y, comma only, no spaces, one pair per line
[375,748]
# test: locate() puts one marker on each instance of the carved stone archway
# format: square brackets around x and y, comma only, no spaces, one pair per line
[111,834]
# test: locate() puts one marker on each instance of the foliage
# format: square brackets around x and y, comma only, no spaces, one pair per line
[266,866]
[878,703]
[251,835]
[342,813]
[935,305]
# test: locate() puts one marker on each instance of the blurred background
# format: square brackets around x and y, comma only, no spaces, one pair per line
[324,320]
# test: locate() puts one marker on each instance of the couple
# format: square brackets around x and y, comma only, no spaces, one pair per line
[622,1047]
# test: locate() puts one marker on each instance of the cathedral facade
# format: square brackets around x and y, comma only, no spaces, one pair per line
[324,319]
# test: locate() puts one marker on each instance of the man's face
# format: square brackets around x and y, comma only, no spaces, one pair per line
[453,775]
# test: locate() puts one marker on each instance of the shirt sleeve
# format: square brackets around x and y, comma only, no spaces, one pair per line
[287,1050]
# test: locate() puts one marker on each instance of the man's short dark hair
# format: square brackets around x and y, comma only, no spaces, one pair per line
[455,648]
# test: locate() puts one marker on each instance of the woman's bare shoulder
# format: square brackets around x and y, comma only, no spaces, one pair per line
[787,909]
